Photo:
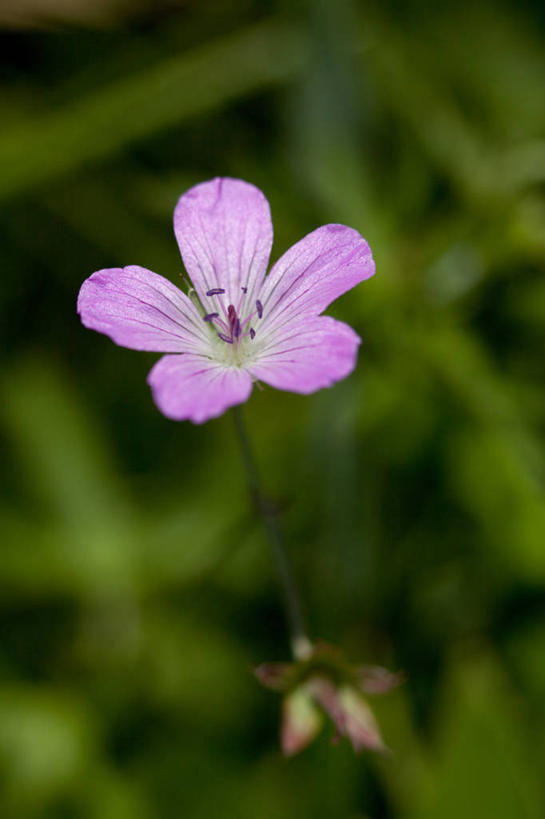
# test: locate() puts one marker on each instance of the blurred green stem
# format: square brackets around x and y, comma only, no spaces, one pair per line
[268,512]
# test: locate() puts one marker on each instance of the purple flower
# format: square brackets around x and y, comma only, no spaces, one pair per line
[325,684]
[246,326]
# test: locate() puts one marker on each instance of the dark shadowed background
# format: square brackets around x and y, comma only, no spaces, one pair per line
[137,590]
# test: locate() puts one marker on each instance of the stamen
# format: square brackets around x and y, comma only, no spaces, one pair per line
[210,316]
[216,291]
[225,338]
[259,308]
[244,290]
[252,333]
[236,328]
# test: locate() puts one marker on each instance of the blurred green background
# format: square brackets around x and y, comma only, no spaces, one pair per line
[137,590]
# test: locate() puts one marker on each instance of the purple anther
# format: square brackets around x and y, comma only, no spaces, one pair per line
[244,290]
[216,291]
[236,328]
[225,338]
[252,333]
[259,308]
[210,316]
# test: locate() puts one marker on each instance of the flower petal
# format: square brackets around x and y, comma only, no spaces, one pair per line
[141,310]
[373,679]
[307,355]
[360,725]
[301,721]
[350,713]
[193,387]
[224,231]
[275,675]
[315,271]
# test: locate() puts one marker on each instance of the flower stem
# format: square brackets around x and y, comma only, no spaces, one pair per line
[268,512]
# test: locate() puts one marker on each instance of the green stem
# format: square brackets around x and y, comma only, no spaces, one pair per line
[268,512]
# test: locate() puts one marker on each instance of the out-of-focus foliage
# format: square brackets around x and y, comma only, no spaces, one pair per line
[136,588]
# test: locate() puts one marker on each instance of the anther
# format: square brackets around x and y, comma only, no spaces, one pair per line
[259,308]
[252,333]
[236,328]
[225,338]
[244,290]
[216,291]
[210,316]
